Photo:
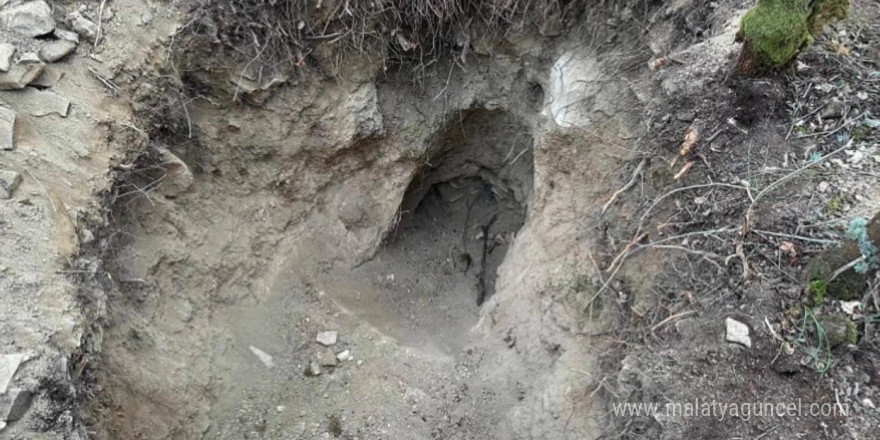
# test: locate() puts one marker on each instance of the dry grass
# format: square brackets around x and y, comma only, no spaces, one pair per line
[268,36]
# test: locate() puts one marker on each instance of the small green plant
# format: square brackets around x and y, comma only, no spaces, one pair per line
[833,206]
[821,353]
[816,292]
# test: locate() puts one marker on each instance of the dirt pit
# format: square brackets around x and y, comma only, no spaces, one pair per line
[458,216]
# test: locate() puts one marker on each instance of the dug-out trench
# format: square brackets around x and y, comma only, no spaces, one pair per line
[455,223]
[202,282]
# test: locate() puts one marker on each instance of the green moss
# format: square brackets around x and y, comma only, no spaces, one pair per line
[774,31]
[839,330]
[849,285]
[825,12]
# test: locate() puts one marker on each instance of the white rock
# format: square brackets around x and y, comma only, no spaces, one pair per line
[20,75]
[8,366]
[867,403]
[314,369]
[29,18]
[327,338]
[738,332]
[264,357]
[9,181]
[344,356]
[823,186]
[7,51]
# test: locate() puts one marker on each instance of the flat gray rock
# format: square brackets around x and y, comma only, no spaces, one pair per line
[9,181]
[67,35]
[20,75]
[56,50]
[7,51]
[738,333]
[82,25]
[28,18]
[7,129]
[48,78]
[8,362]
[35,102]
[14,404]
[327,338]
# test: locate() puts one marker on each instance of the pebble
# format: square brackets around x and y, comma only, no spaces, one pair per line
[20,75]
[328,358]
[82,25]
[73,37]
[9,181]
[264,357]
[314,369]
[7,129]
[344,356]
[823,186]
[327,338]
[737,332]
[867,403]
[833,109]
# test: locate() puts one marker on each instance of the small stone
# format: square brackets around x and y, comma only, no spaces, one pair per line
[314,369]
[8,365]
[327,338]
[20,75]
[264,357]
[833,109]
[62,34]
[823,186]
[14,404]
[328,358]
[9,181]
[2,425]
[867,403]
[7,129]
[82,25]
[344,356]
[738,333]
[29,18]
[7,51]
[56,50]
[178,176]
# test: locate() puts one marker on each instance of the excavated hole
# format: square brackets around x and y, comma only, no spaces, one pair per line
[459,216]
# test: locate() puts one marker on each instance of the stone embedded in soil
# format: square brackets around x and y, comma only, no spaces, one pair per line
[14,404]
[9,181]
[82,25]
[56,50]
[20,75]
[8,366]
[29,18]
[50,76]
[327,338]
[7,129]
[264,357]
[62,34]
[344,356]
[7,51]
[328,358]
[314,369]
[737,332]
[35,102]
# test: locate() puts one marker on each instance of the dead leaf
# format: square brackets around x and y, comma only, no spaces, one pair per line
[684,169]
[657,63]
[690,139]
[788,248]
